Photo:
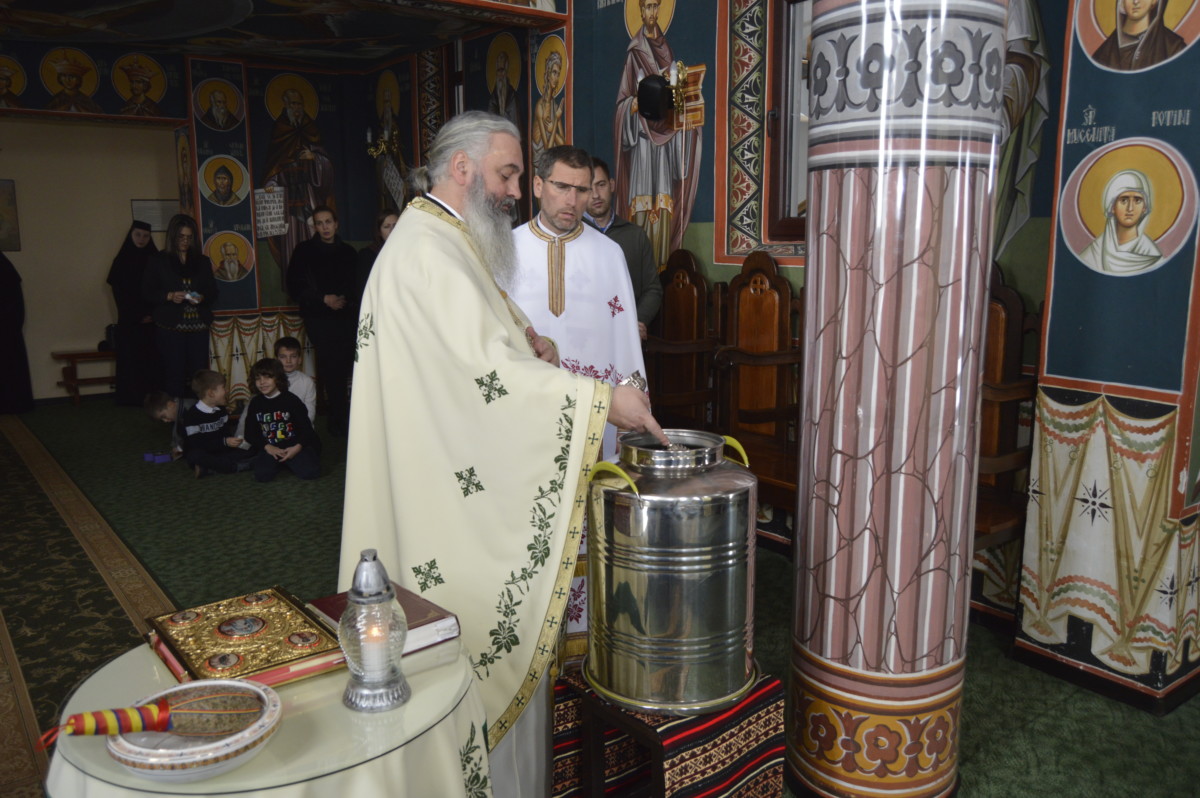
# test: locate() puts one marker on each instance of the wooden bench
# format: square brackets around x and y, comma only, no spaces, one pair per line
[70,372]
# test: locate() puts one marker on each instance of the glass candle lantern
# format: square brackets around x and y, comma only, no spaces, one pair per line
[371,633]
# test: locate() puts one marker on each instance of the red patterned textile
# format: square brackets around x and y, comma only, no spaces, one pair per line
[738,751]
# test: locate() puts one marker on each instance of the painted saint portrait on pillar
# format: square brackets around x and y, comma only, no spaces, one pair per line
[231,256]
[226,181]
[391,169]
[187,186]
[504,78]
[657,167]
[1129,207]
[218,104]
[1132,35]
[550,75]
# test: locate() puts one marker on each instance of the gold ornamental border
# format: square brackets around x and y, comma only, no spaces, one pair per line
[137,593]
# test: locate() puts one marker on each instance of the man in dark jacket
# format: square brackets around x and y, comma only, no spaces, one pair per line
[321,280]
[639,256]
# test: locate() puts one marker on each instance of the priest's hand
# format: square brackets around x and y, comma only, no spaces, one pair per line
[544,348]
[630,410]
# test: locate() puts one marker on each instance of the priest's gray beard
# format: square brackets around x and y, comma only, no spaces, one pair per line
[490,227]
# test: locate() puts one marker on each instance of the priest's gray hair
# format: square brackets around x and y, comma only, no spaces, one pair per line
[469,132]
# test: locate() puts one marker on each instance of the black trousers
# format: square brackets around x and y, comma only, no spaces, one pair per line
[227,461]
[139,364]
[306,465]
[183,354]
[333,340]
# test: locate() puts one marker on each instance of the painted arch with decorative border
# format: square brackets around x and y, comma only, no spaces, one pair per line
[742,77]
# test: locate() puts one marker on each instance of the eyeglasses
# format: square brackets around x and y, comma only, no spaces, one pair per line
[566,188]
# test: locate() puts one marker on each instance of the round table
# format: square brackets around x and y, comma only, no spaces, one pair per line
[320,749]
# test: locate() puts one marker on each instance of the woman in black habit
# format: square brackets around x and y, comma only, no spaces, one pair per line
[139,369]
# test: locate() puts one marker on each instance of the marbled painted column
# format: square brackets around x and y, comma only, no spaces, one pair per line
[905,116]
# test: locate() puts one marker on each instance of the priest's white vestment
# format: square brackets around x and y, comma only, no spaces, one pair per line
[468,456]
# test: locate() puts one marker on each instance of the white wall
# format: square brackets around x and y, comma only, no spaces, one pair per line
[74,183]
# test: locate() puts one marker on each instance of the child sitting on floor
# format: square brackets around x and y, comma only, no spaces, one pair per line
[209,442]
[161,406]
[289,352]
[277,426]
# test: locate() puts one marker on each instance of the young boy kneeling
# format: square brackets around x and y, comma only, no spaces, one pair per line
[277,426]
[161,406]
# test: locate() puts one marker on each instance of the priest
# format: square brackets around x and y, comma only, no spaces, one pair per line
[469,450]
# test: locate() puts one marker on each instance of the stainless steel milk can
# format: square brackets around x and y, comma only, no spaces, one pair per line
[671,575]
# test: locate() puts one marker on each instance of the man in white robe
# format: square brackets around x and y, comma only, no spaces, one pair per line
[572,280]
[573,283]
[468,455]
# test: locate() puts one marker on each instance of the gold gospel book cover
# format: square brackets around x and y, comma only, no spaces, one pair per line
[267,636]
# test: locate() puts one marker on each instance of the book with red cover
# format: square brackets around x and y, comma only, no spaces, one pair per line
[428,623]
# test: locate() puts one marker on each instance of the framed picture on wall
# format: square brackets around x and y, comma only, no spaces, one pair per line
[10,228]
[155,212]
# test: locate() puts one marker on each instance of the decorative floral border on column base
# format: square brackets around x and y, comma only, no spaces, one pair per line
[900,740]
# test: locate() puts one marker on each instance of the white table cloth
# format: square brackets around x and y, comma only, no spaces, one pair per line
[320,750]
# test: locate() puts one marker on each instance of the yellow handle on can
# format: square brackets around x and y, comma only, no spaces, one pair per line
[737,447]
[606,467]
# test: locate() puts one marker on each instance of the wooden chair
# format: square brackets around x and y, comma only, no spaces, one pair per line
[679,358]
[1000,504]
[759,376]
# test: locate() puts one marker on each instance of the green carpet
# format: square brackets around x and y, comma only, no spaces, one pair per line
[59,613]
[1024,733]
[202,539]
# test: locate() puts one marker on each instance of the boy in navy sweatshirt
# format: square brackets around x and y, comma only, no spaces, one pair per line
[209,440]
[277,426]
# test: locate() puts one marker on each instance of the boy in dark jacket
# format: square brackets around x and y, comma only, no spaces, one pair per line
[209,440]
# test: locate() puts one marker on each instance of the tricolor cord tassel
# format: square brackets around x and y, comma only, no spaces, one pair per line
[190,717]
